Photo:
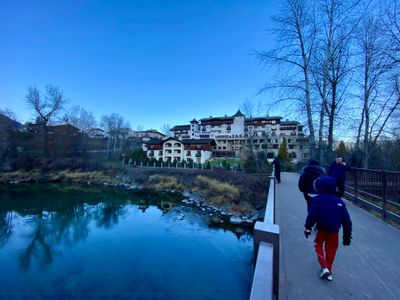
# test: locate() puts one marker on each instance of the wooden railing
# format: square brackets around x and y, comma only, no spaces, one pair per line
[266,251]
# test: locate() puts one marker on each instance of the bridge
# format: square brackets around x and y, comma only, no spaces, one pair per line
[367,269]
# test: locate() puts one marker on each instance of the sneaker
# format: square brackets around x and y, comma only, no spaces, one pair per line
[329,277]
[324,273]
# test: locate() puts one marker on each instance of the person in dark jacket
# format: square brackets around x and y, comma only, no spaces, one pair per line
[337,170]
[329,213]
[277,165]
[309,174]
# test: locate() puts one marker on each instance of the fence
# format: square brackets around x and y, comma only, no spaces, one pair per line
[376,190]
[266,251]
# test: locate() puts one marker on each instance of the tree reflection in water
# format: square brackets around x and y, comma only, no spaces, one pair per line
[54,219]
[60,216]
[5,227]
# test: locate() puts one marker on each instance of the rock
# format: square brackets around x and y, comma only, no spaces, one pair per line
[255,216]
[179,217]
[186,194]
[235,220]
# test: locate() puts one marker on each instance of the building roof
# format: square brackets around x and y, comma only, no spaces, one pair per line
[238,114]
[149,131]
[10,123]
[154,142]
[287,122]
[263,118]
[198,141]
[194,121]
[180,127]
[216,118]
[95,129]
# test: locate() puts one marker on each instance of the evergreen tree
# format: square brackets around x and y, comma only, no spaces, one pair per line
[342,150]
[283,153]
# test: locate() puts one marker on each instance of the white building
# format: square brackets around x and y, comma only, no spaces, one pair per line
[173,149]
[233,134]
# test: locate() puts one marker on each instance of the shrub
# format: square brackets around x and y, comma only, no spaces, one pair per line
[162,183]
[217,192]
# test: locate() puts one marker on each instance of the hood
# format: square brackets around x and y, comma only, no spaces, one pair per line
[313,169]
[325,185]
[313,162]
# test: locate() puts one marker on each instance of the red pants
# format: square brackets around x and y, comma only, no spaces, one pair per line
[330,241]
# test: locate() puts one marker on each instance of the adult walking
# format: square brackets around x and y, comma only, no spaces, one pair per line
[309,174]
[277,165]
[337,170]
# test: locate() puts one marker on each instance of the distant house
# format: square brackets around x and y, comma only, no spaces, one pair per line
[146,135]
[9,123]
[173,149]
[96,133]
[65,129]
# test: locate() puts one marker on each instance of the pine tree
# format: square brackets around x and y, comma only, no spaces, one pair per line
[283,153]
[342,150]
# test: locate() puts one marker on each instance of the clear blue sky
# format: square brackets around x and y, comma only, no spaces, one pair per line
[153,62]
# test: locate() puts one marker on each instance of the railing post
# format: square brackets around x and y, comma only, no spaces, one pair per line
[266,232]
[355,185]
[384,193]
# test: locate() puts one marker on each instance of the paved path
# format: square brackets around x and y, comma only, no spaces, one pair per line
[368,269]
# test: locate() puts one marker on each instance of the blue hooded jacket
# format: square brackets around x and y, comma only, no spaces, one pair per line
[328,211]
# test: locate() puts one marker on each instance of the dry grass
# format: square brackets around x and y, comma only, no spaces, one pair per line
[222,194]
[164,183]
[61,176]
[81,177]
[19,176]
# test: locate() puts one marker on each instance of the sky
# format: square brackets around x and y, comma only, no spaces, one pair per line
[153,62]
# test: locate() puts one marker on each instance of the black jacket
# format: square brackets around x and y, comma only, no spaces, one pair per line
[308,175]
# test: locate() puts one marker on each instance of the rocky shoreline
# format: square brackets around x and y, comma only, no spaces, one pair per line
[126,183]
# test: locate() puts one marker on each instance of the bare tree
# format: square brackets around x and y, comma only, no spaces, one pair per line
[45,108]
[376,64]
[338,20]
[251,109]
[116,128]
[80,118]
[295,32]
[166,129]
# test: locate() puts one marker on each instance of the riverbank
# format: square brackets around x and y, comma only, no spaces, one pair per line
[238,194]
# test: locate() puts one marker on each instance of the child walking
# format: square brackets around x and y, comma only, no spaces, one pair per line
[329,213]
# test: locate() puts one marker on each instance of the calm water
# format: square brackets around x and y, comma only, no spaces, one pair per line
[73,242]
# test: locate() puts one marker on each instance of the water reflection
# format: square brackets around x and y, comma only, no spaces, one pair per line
[5,227]
[52,217]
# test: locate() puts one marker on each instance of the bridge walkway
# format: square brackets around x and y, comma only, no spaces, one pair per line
[368,269]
